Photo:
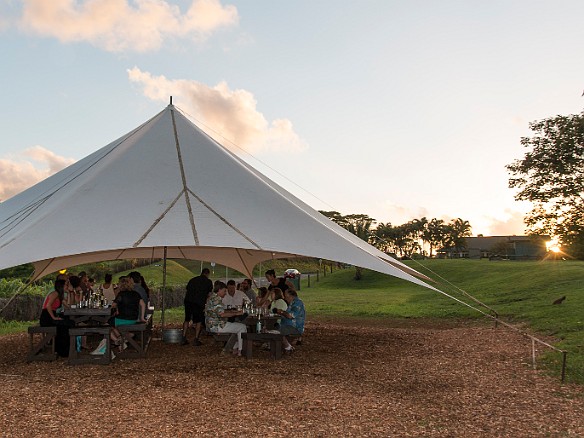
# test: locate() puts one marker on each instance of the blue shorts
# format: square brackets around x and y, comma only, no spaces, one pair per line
[118,322]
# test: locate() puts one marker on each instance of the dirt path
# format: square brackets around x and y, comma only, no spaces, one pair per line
[350,378]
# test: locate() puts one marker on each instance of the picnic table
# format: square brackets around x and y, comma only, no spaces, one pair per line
[268,322]
[90,323]
[88,316]
[274,340]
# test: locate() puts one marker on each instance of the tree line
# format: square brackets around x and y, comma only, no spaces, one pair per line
[551,177]
[417,237]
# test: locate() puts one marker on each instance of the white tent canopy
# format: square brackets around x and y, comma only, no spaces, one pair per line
[168,184]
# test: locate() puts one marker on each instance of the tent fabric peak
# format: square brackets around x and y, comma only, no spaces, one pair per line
[168,184]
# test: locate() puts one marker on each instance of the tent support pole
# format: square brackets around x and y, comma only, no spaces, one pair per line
[163,286]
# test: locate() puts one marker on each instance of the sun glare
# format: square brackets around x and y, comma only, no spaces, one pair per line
[553,246]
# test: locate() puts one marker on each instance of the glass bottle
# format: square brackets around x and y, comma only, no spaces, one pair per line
[259,324]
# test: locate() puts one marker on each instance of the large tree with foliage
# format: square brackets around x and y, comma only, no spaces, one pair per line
[551,177]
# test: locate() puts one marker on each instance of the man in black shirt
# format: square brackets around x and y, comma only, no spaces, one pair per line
[198,289]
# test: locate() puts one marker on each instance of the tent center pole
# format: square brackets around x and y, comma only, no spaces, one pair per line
[163,286]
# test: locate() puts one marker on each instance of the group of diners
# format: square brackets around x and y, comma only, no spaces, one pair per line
[219,308]
[128,299]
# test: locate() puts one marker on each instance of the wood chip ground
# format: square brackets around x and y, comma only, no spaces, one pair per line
[349,378]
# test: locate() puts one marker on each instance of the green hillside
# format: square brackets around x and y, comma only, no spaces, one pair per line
[175,273]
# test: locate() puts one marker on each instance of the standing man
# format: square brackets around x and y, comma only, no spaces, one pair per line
[198,289]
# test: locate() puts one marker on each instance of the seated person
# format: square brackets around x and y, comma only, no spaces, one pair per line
[84,285]
[65,301]
[109,289]
[292,322]
[264,299]
[246,288]
[74,291]
[138,284]
[234,298]
[215,319]
[278,303]
[49,318]
[129,308]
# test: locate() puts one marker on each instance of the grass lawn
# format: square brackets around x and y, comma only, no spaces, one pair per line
[521,292]
[8,327]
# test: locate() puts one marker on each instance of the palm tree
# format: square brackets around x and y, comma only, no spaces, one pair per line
[384,237]
[434,233]
[455,233]
[420,226]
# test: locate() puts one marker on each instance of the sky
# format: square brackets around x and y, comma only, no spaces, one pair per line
[395,109]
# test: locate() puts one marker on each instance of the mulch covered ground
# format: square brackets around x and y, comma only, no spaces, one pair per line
[349,378]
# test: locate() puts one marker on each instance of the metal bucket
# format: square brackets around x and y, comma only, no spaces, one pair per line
[172,336]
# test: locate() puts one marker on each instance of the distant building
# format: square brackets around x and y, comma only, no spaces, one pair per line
[501,247]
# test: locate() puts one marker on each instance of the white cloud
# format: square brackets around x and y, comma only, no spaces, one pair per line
[400,214]
[223,113]
[18,174]
[122,25]
[512,225]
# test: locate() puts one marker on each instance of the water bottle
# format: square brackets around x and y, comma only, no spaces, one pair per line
[259,324]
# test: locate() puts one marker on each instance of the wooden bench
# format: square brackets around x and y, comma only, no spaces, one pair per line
[137,337]
[274,339]
[77,357]
[221,338]
[44,349]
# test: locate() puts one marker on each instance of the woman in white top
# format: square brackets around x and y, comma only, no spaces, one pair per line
[278,303]
[108,288]
[278,299]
